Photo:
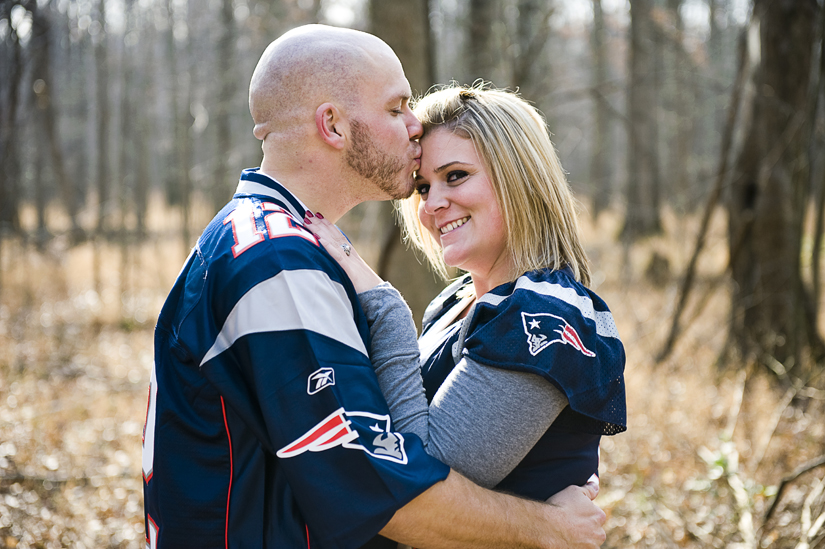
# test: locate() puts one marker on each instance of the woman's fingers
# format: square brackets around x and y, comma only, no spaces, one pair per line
[335,243]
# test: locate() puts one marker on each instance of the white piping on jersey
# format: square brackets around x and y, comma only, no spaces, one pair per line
[251,187]
[605,325]
[442,328]
[304,299]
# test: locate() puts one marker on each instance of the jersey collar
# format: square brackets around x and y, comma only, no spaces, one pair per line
[254,182]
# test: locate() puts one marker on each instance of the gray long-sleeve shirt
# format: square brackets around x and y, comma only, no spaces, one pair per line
[481,422]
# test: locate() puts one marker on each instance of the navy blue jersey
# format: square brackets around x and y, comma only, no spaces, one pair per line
[545,323]
[266,426]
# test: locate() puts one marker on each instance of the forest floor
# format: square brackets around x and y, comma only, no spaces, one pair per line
[699,466]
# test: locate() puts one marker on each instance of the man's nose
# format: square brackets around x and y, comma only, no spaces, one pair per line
[414,127]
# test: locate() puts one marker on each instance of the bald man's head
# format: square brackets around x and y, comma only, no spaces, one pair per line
[308,66]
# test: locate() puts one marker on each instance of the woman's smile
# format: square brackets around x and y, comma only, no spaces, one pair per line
[458,207]
[450,227]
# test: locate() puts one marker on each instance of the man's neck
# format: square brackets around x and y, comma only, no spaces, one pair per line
[320,193]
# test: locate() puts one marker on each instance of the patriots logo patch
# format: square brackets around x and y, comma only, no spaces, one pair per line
[363,431]
[544,329]
[320,379]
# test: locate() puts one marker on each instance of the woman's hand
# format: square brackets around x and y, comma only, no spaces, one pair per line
[342,251]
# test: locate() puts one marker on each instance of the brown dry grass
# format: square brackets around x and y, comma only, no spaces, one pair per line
[695,469]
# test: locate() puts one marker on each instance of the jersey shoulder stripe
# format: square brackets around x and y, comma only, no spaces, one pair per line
[270,307]
[605,325]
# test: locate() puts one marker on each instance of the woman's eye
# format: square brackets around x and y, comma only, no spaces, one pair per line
[456,175]
[424,188]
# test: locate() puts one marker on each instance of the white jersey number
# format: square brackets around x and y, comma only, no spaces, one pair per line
[278,224]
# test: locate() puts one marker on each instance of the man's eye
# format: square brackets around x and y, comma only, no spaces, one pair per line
[456,175]
[424,188]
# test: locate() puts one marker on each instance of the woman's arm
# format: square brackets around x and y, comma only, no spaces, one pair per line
[483,420]
[394,345]
[394,355]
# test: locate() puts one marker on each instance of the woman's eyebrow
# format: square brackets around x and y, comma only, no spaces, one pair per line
[448,164]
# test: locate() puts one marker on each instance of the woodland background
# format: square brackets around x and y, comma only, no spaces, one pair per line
[693,132]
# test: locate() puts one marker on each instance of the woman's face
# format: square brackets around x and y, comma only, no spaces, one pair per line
[458,207]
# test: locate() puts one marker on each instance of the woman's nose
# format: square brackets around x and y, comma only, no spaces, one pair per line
[436,200]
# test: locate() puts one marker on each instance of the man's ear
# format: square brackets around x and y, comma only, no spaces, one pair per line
[331,125]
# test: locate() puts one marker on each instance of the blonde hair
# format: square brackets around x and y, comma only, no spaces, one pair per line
[536,202]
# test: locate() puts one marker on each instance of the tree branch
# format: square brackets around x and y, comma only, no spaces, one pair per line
[801,470]
[713,199]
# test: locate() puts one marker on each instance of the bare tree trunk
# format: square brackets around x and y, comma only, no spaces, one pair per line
[144,85]
[710,105]
[178,183]
[221,189]
[142,182]
[42,78]
[40,203]
[529,24]
[819,224]
[128,142]
[683,92]
[772,312]
[405,27]
[185,136]
[127,135]
[172,179]
[102,175]
[481,58]
[713,200]
[642,217]
[600,172]
[38,59]
[12,76]
[532,35]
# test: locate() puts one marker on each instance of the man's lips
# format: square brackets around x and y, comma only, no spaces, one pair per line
[417,155]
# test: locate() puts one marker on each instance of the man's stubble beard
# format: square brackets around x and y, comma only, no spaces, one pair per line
[383,170]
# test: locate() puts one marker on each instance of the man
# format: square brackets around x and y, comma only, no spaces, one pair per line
[266,426]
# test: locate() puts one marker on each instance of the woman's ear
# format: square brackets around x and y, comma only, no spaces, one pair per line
[331,125]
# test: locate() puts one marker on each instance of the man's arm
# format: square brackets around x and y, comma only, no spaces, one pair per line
[458,513]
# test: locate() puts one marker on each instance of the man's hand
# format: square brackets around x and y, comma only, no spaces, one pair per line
[579,520]
[592,487]
[457,513]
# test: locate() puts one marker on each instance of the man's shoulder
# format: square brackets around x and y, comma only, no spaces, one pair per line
[251,249]
[250,220]
[252,237]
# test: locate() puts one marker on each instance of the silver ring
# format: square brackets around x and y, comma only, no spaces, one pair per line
[347,248]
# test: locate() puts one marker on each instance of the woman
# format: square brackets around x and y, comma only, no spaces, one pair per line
[521,362]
